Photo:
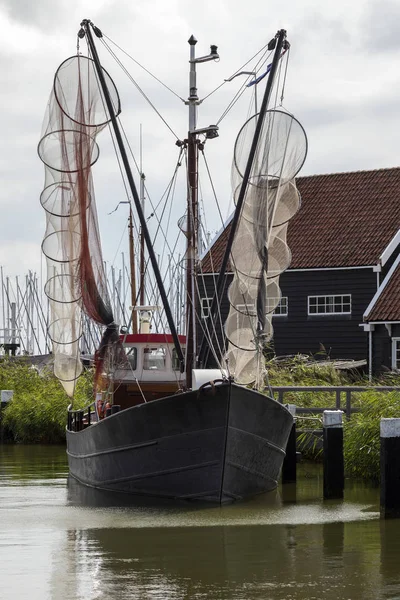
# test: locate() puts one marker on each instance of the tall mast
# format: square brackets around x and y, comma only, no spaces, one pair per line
[86,30]
[192,218]
[192,228]
[278,44]
[142,257]
[133,271]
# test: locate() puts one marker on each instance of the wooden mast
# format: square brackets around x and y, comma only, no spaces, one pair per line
[133,272]
[142,256]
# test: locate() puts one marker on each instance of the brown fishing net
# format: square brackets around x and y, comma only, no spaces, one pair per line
[76,280]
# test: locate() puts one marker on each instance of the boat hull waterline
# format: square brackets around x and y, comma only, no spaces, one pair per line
[221,443]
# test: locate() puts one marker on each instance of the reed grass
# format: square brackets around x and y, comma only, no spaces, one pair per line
[37,414]
[361,432]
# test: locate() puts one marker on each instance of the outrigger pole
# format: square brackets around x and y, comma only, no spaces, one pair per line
[85,30]
[278,43]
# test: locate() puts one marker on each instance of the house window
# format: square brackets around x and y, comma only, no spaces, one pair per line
[245,316]
[206,307]
[329,305]
[396,354]
[281,309]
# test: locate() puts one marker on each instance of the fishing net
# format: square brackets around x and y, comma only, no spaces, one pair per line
[260,253]
[76,280]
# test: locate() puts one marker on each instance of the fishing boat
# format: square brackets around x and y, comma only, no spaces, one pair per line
[162,423]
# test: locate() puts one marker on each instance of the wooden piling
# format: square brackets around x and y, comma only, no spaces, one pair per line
[290,460]
[390,468]
[333,454]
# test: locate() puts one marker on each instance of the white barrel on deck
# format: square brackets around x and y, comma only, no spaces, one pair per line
[202,376]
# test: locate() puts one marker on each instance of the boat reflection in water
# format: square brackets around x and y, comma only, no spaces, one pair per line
[154,549]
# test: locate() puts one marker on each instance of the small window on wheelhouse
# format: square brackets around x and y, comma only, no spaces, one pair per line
[131,355]
[154,359]
[396,354]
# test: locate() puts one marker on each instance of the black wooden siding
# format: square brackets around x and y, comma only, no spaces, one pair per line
[382,347]
[297,333]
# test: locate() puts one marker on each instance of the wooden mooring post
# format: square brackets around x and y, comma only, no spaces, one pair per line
[5,397]
[390,468]
[289,464]
[333,460]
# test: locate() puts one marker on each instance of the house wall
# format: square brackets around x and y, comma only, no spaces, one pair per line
[341,335]
[382,347]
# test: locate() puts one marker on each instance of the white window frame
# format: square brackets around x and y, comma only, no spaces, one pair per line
[334,299]
[243,310]
[395,349]
[151,350]
[206,307]
[283,305]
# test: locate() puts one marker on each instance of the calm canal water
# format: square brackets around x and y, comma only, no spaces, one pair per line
[60,541]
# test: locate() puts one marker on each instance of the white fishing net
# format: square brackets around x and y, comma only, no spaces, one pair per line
[260,253]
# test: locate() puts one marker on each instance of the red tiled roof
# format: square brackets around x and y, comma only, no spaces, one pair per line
[345,220]
[387,306]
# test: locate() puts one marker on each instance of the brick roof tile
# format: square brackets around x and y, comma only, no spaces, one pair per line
[346,220]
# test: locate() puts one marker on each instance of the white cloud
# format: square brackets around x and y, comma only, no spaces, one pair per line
[340,85]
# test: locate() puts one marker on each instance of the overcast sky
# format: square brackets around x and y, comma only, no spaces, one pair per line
[343,85]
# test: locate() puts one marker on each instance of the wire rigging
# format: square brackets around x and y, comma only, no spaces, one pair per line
[125,70]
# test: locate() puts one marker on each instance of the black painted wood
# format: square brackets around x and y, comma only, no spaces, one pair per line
[289,467]
[390,477]
[333,463]
[216,444]
[340,335]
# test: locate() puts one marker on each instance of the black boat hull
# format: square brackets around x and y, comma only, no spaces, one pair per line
[219,443]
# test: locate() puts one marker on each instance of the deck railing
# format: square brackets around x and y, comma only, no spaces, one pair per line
[342,396]
[80,418]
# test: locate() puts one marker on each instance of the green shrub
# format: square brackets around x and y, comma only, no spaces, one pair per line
[361,432]
[38,411]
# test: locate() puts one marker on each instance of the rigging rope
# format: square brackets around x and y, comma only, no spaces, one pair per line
[125,70]
[237,71]
[144,68]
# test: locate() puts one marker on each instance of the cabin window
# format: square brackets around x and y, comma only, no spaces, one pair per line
[329,305]
[396,354]
[281,308]
[131,355]
[206,307]
[154,359]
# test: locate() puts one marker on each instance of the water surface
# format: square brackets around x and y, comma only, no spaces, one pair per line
[59,540]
